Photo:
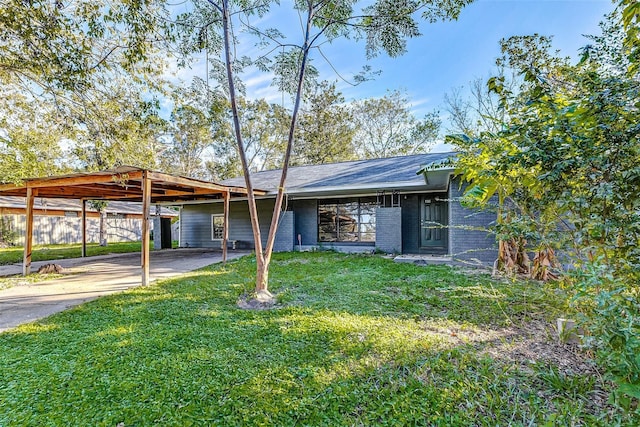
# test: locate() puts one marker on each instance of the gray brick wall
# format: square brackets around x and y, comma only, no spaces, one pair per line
[389,230]
[306,221]
[468,239]
[285,236]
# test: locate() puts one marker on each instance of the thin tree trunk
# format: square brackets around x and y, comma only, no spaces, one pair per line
[275,217]
[263,257]
[103,227]
[261,276]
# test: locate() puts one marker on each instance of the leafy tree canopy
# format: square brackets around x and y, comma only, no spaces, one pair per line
[89,69]
[386,127]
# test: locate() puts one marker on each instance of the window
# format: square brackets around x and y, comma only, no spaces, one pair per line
[347,220]
[217,226]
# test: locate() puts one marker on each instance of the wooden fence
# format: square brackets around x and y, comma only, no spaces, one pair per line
[50,230]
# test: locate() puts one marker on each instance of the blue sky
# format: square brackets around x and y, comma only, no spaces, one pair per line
[452,54]
[448,55]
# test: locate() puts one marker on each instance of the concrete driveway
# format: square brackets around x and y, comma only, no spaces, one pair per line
[90,278]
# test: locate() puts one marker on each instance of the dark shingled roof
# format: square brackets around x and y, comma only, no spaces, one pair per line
[392,172]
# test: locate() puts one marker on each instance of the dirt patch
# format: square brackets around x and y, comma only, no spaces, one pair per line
[262,300]
[537,342]
[533,342]
[533,347]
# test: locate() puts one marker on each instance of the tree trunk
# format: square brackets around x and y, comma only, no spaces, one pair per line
[543,263]
[261,266]
[263,258]
[275,217]
[262,277]
[103,228]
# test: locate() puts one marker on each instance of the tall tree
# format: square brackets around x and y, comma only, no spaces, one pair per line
[92,63]
[31,139]
[190,136]
[325,131]
[264,127]
[385,25]
[386,127]
[479,109]
[196,122]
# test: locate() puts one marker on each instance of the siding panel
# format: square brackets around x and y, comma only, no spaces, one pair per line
[196,223]
[52,230]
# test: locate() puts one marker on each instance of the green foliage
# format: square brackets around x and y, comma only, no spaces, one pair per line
[196,123]
[8,235]
[631,22]
[610,311]
[59,48]
[325,130]
[264,126]
[30,139]
[567,161]
[77,85]
[99,205]
[355,340]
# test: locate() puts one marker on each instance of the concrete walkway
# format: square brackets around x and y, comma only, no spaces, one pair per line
[89,278]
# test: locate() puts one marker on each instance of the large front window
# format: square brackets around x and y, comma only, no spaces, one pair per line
[347,220]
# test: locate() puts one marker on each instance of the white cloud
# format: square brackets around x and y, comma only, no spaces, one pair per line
[258,80]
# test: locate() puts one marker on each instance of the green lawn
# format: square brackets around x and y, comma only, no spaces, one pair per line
[354,340]
[14,255]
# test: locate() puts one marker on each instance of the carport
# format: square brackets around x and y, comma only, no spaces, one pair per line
[125,183]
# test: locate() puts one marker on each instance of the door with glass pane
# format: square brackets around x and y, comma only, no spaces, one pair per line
[434,216]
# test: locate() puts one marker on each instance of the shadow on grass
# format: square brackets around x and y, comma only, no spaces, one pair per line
[355,341]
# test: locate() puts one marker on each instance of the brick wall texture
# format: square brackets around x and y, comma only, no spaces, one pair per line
[469,238]
[389,230]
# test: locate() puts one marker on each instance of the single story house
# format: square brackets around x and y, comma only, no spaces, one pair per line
[365,205]
[59,220]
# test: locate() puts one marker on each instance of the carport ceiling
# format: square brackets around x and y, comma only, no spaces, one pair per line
[125,184]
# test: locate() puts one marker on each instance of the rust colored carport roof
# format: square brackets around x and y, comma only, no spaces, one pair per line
[124,184]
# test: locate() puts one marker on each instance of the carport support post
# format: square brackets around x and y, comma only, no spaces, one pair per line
[28,234]
[84,228]
[225,232]
[146,205]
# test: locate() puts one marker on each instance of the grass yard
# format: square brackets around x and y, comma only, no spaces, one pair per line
[354,340]
[14,254]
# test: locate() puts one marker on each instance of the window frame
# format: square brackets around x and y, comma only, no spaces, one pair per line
[339,205]
[213,226]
